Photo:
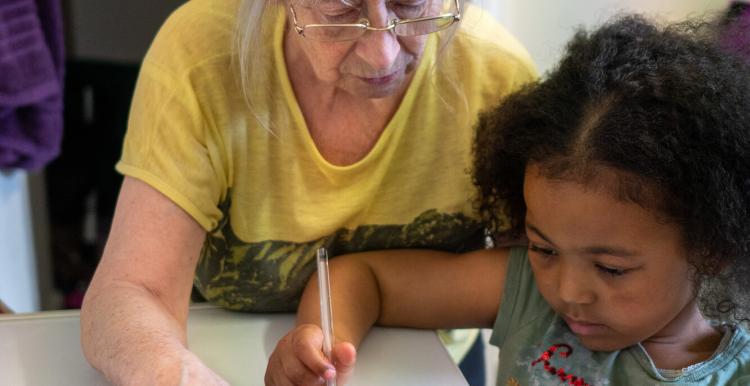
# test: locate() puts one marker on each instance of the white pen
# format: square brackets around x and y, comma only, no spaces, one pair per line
[326,313]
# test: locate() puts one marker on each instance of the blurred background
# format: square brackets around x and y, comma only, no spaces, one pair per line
[54,221]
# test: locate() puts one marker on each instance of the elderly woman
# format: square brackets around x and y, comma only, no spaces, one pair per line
[262,130]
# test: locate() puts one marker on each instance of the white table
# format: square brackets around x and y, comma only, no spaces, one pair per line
[44,350]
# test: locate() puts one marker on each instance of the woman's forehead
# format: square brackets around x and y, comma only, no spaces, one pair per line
[353,3]
[312,3]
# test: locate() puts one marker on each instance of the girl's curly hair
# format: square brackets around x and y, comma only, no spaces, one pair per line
[663,105]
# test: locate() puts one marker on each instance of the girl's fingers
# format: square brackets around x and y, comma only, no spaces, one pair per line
[296,373]
[344,356]
[307,343]
[285,368]
[298,359]
[275,374]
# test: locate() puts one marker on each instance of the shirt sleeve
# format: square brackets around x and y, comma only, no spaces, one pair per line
[522,303]
[169,144]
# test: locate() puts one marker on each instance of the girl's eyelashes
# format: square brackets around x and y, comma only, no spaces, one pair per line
[613,272]
[542,250]
[549,252]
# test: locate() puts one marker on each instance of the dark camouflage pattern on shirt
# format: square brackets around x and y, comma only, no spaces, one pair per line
[269,276]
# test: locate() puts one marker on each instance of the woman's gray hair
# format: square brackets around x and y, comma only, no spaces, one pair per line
[250,25]
[248,28]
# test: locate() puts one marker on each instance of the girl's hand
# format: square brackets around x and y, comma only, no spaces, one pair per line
[299,360]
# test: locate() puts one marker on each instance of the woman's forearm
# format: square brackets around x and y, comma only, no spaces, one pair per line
[131,337]
[134,315]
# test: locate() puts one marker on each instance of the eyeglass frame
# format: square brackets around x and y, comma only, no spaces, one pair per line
[455,17]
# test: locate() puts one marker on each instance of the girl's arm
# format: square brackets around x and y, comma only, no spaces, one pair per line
[410,288]
[404,288]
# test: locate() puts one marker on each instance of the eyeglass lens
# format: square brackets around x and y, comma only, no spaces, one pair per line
[322,12]
[350,11]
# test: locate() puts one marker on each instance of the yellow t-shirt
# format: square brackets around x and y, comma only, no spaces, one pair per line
[268,199]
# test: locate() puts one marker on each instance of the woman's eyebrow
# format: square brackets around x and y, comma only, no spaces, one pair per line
[313,3]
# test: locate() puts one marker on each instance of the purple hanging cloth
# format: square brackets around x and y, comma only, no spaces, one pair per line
[31,82]
[735,36]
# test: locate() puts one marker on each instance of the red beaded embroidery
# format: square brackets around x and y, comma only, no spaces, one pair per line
[560,372]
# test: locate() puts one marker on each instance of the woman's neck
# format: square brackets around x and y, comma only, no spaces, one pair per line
[344,127]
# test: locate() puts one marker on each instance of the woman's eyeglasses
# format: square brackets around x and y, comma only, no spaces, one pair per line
[423,25]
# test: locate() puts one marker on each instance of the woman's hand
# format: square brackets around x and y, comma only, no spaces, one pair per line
[299,360]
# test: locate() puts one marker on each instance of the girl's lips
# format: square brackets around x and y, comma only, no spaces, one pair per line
[584,327]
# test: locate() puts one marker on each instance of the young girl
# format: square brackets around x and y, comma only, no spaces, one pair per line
[628,171]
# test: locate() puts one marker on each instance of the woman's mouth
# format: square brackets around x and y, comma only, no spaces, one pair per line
[380,80]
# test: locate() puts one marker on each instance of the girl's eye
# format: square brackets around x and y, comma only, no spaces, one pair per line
[542,250]
[614,272]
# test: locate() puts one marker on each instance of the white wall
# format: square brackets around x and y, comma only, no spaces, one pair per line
[544,26]
[18,271]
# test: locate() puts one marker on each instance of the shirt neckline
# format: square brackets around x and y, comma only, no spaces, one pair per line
[730,345]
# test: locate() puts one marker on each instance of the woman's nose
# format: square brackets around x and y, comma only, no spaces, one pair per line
[379,49]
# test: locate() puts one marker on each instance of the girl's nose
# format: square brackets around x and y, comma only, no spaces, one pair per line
[573,287]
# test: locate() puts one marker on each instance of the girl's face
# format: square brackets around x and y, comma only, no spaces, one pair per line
[615,272]
[377,65]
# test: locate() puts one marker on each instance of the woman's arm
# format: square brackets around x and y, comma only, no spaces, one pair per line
[405,288]
[134,315]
